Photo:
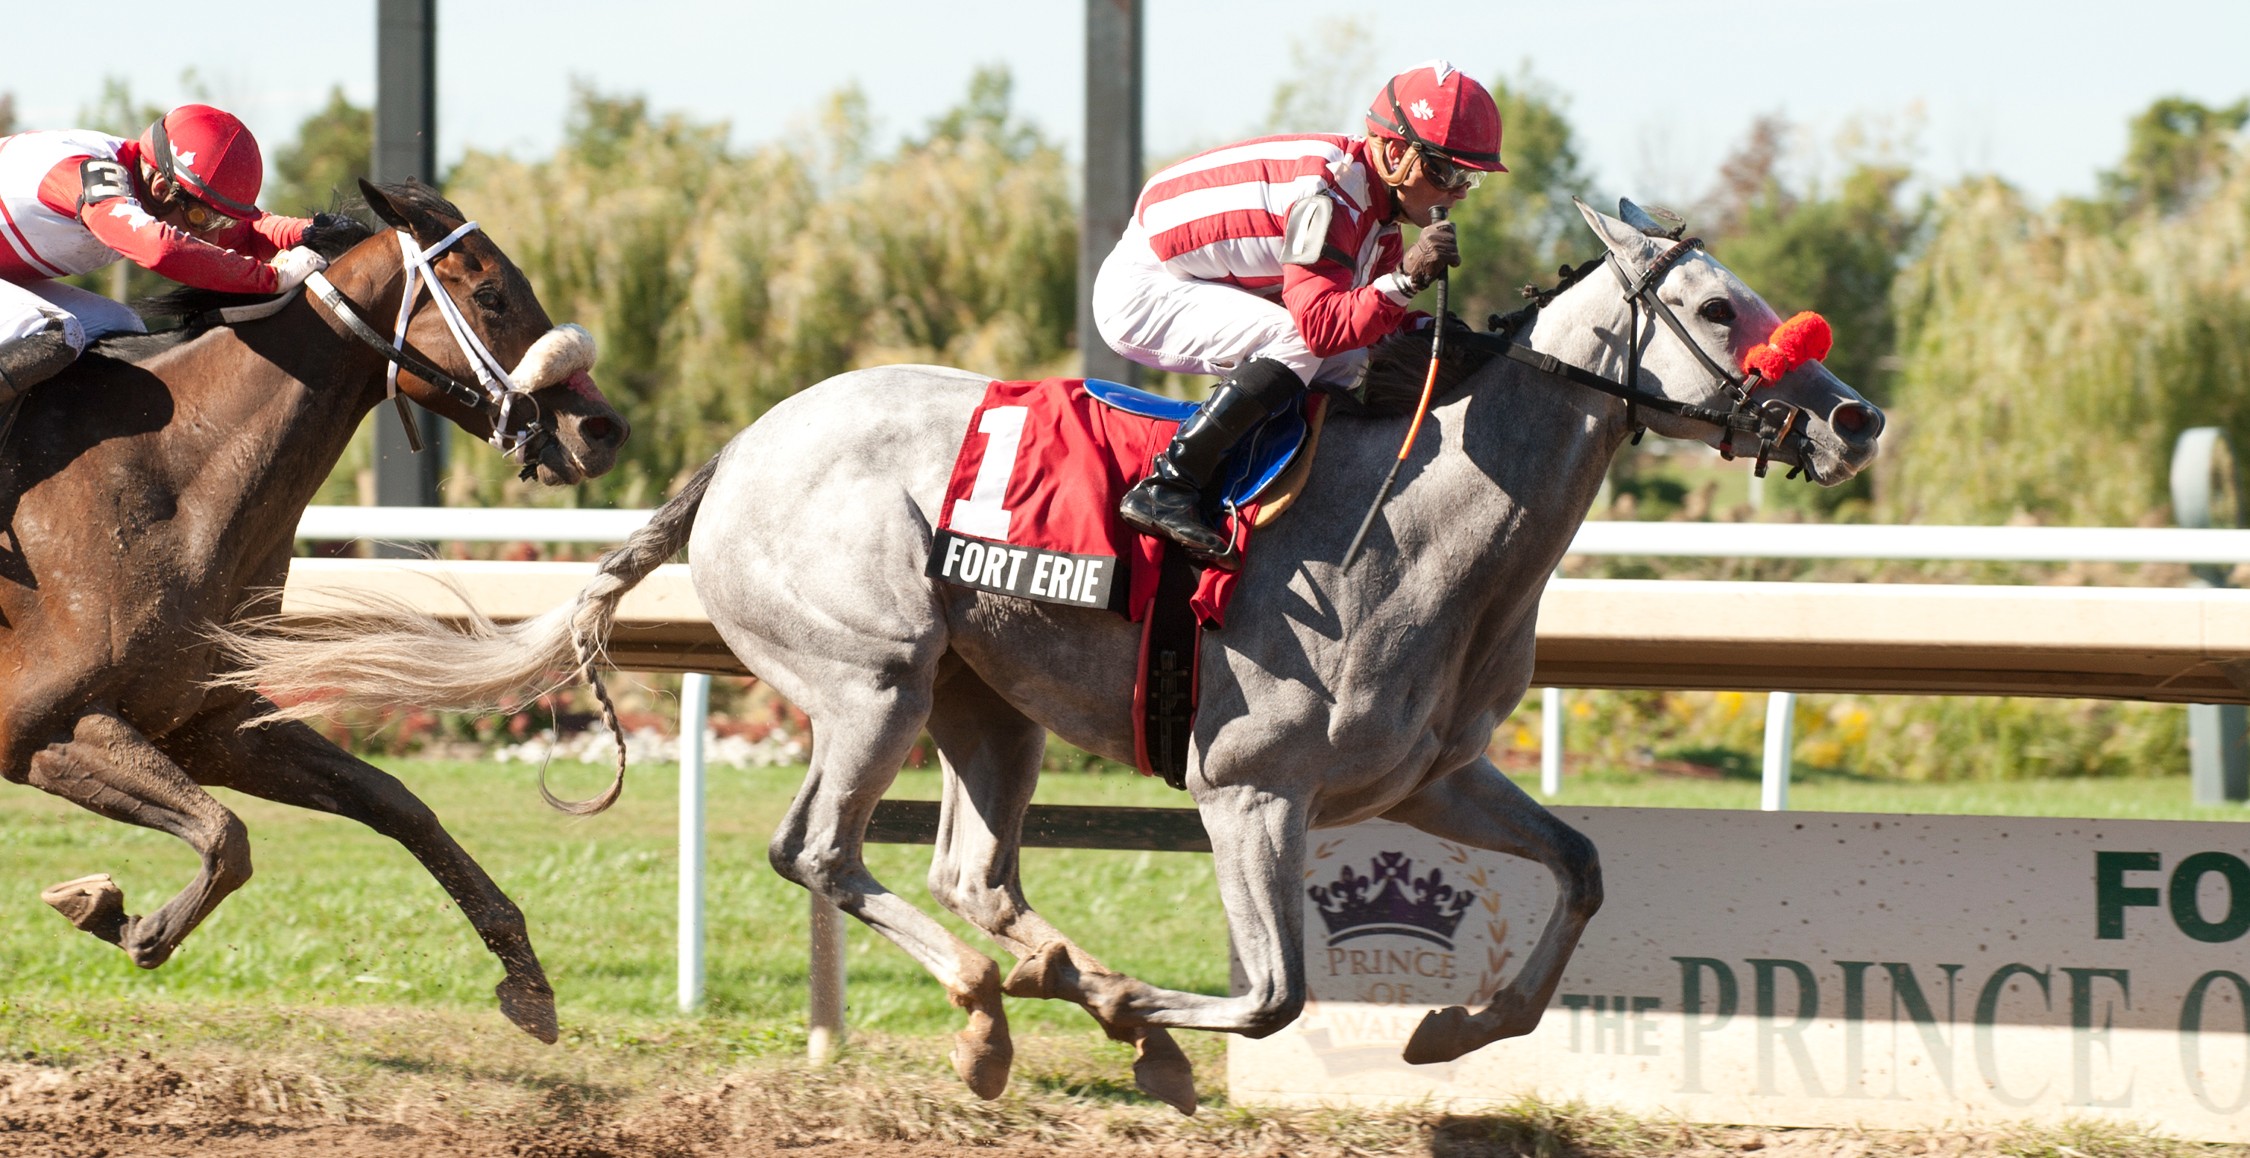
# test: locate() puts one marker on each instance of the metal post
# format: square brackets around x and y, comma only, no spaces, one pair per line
[695,712]
[406,147]
[2205,493]
[1113,164]
[1550,742]
[1781,735]
[824,1035]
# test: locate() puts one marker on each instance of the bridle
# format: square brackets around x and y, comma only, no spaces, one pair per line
[495,396]
[1771,423]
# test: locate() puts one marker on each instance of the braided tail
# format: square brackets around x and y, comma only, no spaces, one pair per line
[595,615]
[380,652]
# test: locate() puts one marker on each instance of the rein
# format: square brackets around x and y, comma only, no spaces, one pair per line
[1771,424]
[498,397]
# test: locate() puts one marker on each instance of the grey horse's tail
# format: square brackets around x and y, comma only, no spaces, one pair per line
[381,652]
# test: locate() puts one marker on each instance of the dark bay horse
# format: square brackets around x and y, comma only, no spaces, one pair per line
[151,493]
[1331,696]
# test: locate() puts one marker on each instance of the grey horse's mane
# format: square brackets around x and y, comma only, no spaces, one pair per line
[1397,365]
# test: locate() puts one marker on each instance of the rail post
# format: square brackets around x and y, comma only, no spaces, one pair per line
[1781,735]
[695,710]
[824,1033]
[2205,491]
[1550,742]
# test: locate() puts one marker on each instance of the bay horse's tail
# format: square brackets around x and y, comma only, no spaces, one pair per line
[382,652]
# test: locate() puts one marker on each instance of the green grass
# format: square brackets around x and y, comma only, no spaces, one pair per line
[339,916]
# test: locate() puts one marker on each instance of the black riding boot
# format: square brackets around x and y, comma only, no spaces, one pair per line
[26,362]
[1167,502]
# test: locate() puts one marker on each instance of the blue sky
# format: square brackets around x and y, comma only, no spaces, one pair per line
[2038,93]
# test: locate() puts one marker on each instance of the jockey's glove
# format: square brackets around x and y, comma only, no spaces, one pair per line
[292,266]
[1430,254]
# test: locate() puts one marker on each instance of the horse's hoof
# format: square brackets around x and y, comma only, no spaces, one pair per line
[983,1061]
[1039,975]
[530,1006]
[1163,1072]
[1442,1036]
[93,903]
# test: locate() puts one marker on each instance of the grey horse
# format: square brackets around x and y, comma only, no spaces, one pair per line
[1331,696]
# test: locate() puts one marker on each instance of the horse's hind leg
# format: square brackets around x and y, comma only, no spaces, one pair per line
[1480,807]
[991,754]
[108,767]
[858,747]
[1257,851]
[290,763]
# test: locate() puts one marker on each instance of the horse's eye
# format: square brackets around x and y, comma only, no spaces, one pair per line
[1719,311]
[490,300]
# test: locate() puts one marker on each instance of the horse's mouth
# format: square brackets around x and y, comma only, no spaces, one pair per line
[558,467]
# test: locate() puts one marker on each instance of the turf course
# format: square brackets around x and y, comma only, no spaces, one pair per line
[339,916]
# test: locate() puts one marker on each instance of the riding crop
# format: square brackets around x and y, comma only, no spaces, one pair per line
[1429,387]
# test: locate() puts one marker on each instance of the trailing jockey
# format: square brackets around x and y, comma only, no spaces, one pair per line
[181,201]
[1275,263]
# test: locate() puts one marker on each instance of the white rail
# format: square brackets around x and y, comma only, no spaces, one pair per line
[1669,540]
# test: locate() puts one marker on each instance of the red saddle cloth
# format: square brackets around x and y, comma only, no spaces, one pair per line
[1031,510]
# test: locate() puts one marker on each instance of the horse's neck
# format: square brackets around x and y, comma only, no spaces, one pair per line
[289,413]
[1545,441]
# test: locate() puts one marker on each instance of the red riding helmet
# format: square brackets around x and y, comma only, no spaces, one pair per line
[1438,107]
[211,155]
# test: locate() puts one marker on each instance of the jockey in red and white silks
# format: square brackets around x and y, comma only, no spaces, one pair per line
[1275,263]
[181,201]
[1197,281]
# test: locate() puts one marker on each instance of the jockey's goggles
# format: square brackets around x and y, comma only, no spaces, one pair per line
[200,218]
[1446,175]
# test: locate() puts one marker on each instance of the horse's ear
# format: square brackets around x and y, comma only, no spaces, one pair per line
[1622,239]
[383,208]
[1656,221]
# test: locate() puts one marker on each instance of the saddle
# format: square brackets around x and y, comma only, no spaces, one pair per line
[1267,467]
[1031,511]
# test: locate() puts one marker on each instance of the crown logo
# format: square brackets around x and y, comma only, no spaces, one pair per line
[1390,900]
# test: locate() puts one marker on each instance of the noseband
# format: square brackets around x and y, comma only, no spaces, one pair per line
[1772,424]
[495,396]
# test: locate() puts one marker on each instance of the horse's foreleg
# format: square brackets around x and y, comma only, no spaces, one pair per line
[856,755]
[290,763]
[991,755]
[1480,807]
[108,767]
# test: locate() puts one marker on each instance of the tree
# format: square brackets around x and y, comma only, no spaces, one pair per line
[2050,357]
[1749,181]
[116,112]
[334,149]
[1332,73]
[719,282]
[2176,153]
[1519,225]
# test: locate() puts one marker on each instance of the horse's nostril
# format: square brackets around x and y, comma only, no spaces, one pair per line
[598,432]
[1856,421]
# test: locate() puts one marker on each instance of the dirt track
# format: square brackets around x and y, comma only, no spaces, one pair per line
[147,1107]
[377,1083]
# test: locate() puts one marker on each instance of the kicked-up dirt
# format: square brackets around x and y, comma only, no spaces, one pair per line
[381,1083]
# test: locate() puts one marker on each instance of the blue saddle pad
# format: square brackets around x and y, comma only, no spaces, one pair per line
[1254,463]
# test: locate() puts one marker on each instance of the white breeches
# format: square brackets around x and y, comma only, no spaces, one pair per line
[27,309]
[1157,319]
